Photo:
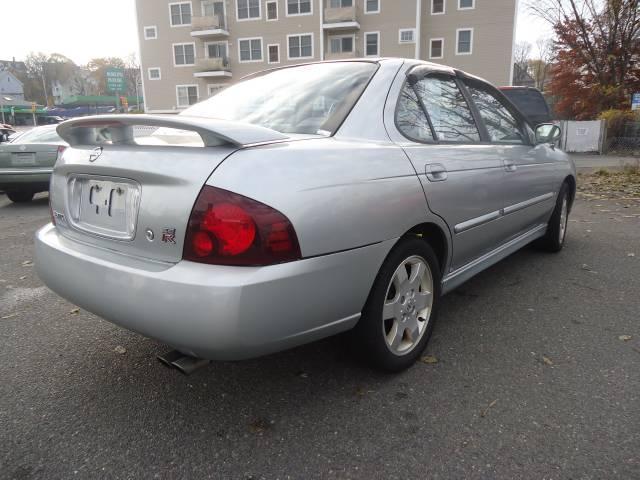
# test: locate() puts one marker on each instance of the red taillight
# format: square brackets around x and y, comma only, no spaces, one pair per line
[61,150]
[229,229]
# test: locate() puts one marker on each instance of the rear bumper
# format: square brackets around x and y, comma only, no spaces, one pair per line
[216,312]
[37,178]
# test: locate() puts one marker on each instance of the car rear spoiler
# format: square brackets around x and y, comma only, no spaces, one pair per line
[90,131]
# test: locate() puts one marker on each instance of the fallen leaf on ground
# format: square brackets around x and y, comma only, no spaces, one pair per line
[27,263]
[120,350]
[74,311]
[486,410]
[303,374]
[11,315]
[631,254]
[259,425]
[624,338]
[429,360]
[23,277]
[547,360]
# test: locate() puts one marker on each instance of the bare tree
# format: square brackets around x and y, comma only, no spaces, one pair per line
[522,55]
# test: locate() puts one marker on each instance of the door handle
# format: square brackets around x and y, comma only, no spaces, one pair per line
[436,172]
[510,165]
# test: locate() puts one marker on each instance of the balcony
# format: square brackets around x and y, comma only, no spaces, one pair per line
[340,18]
[212,67]
[341,55]
[208,27]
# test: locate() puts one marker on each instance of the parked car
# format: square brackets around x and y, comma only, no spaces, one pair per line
[6,131]
[302,202]
[50,120]
[27,161]
[531,103]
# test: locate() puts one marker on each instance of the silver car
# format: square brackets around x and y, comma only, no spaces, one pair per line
[300,203]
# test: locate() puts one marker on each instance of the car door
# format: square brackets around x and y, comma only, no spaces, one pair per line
[461,174]
[529,186]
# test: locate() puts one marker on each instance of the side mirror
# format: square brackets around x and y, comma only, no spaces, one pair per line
[548,133]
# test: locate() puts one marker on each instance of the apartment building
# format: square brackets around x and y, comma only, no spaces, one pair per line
[191,49]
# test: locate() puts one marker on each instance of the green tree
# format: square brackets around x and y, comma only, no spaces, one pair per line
[98,67]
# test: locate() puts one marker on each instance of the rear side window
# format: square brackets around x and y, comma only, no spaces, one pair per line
[410,117]
[501,125]
[448,110]
[530,102]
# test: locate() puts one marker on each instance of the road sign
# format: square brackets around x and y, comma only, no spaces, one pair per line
[635,101]
[34,107]
[114,78]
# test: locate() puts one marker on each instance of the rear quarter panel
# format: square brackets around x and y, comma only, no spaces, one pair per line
[338,194]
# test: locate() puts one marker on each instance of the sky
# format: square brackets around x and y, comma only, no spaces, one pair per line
[85,29]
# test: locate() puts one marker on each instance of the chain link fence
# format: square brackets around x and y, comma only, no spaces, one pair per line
[628,144]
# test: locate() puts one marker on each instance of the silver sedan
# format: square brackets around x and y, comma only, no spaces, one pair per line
[300,203]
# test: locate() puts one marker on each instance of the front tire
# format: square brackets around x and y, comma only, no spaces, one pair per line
[20,197]
[553,240]
[398,318]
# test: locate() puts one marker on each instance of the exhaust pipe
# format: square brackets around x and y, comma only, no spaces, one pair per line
[184,363]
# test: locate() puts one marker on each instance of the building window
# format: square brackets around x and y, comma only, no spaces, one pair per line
[274,53]
[464,44]
[249,9]
[372,6]
[341,44]
[407,35]
[154,73]
[300,46]
[216,50]
[150,33]
[437,7]
[340,3]
[186,95]
[184,54]
[180,14]
[299,7]
[372,44]
[250,49]
[466,4]
[213,90]
[272,11]
[436,49]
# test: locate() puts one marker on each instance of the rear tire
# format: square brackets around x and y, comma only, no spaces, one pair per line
[553,240]
[20,197]
[398,319]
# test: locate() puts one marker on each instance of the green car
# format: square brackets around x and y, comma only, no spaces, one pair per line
[26,162]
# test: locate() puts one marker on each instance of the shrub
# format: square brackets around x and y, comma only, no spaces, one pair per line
[616,120]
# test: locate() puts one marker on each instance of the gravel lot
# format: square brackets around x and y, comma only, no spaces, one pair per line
[537,376]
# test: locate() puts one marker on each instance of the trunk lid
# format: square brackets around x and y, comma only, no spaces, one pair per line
[119,191]
[28,155]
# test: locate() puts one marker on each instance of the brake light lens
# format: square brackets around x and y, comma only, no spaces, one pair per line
[61,150]
[229,229]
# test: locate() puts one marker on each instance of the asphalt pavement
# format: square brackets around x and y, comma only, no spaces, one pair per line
[537,377]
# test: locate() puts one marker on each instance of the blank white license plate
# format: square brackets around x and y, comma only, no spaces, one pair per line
[105,207]
[23,159]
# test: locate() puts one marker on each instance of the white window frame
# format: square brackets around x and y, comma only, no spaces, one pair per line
[405,42]
[335,37]
[470,52]
[364,50]
[218,87]
[261,49]
[269,58]
[250,19]
[370,12]
[301,35]
[215,42]
[287,14]
[472,7]
[224,8]
[431,40]
[178,96]
[444,8]
[155,31]
[171,18]
[329,4]
[266,12]
[151,79]
[173,54]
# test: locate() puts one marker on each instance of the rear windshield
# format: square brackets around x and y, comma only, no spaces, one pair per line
[529,102]
[309,99]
